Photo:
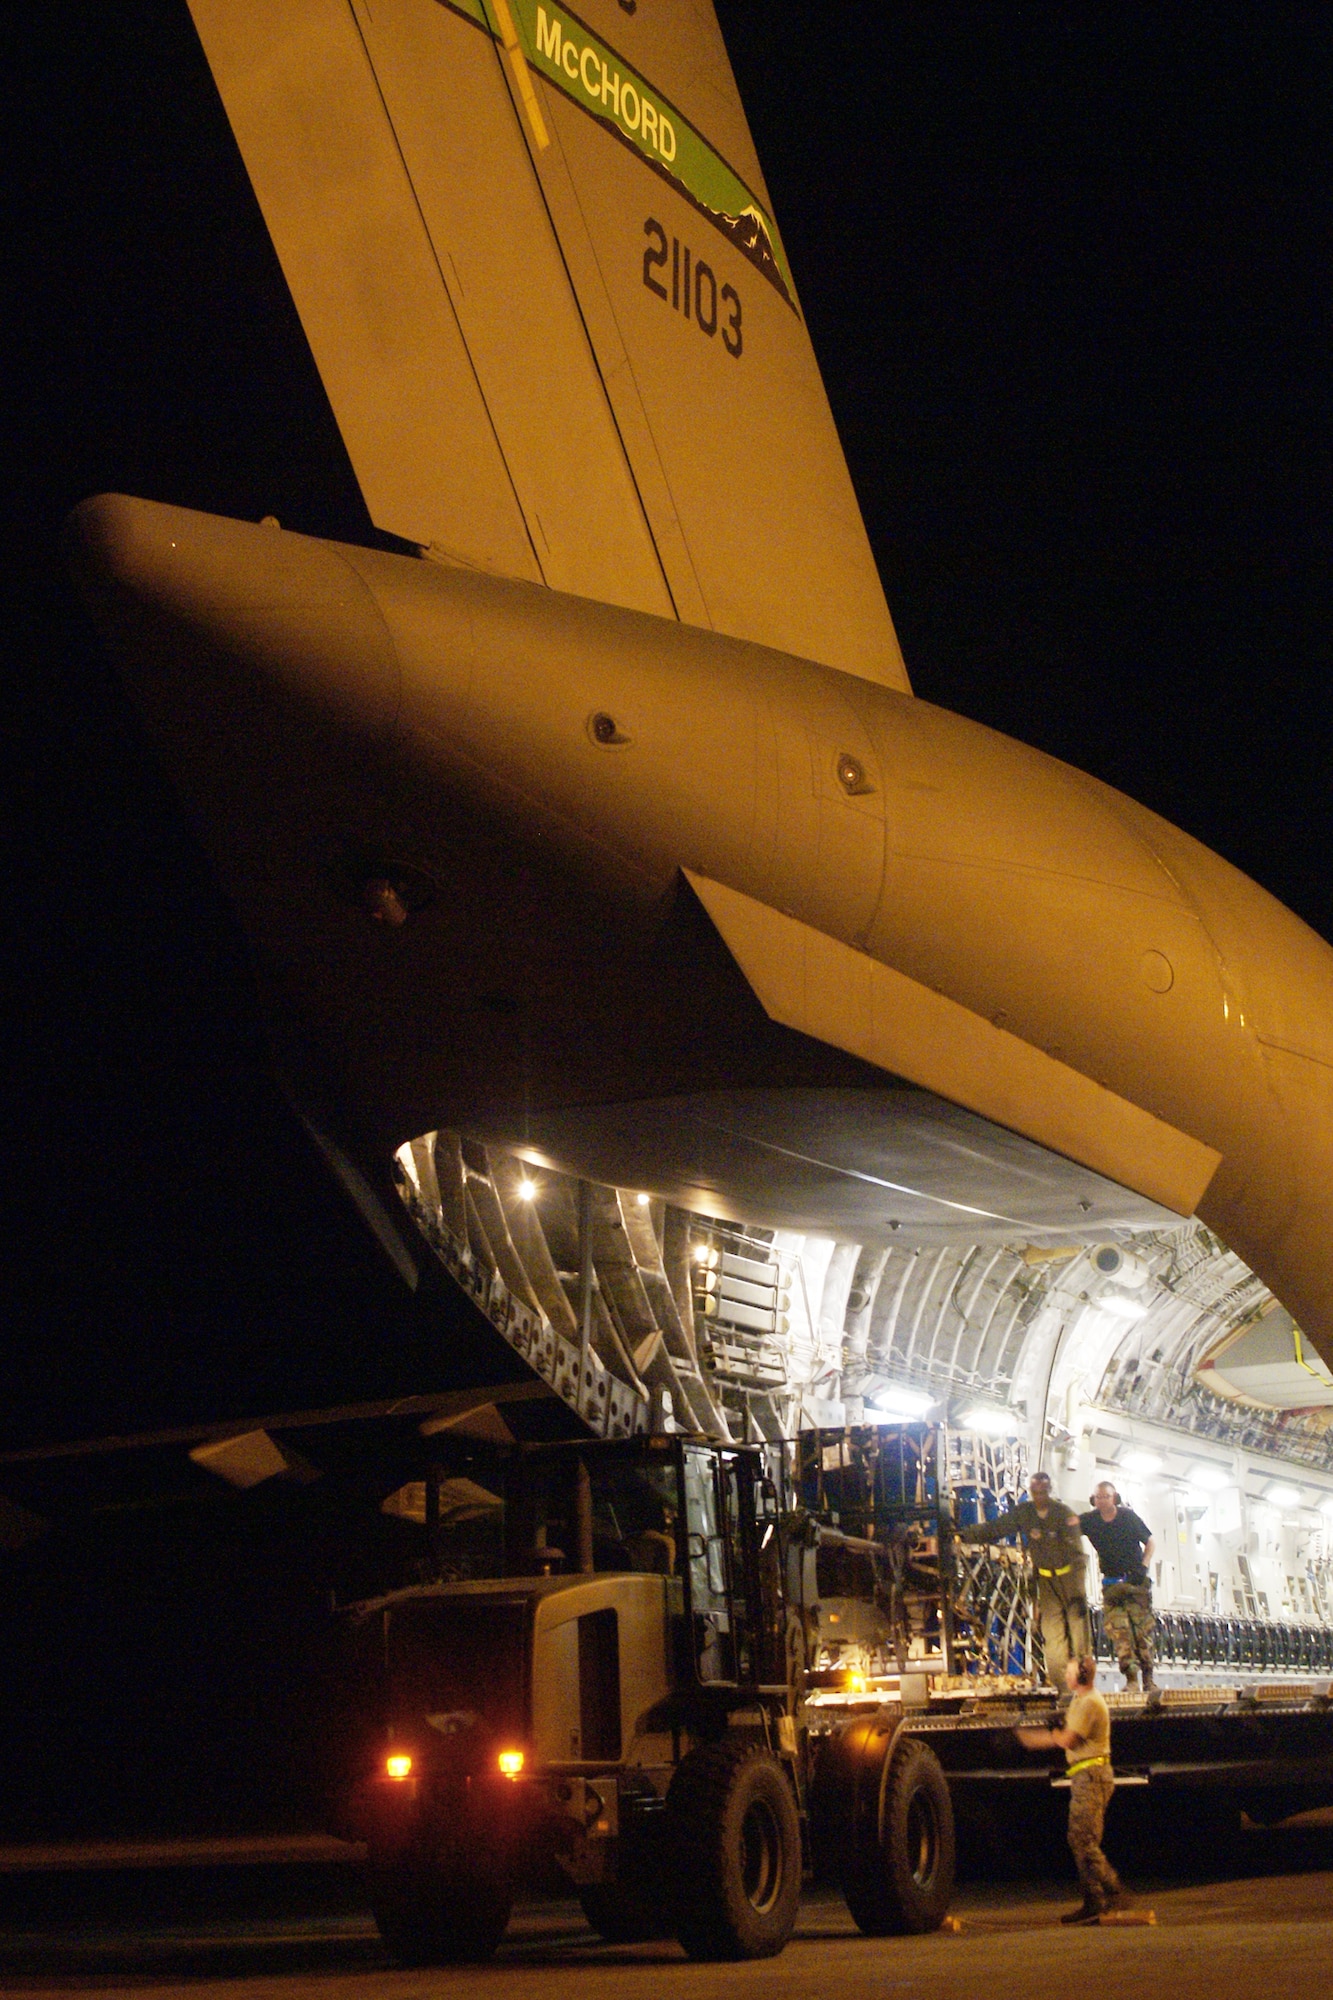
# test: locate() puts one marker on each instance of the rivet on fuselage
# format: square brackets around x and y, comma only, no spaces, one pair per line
[384,903]
[604,731]
[851,774]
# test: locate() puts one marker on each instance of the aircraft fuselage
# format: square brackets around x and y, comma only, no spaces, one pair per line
[454,812]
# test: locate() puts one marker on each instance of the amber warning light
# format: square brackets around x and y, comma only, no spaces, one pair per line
[398,1766]
[511,1763]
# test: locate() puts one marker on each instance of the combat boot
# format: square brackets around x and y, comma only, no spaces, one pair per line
[1130,1670]
[1087,1912]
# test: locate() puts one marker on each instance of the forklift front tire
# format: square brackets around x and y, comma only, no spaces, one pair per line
[426,1920]
[735,1844]
[901,1878]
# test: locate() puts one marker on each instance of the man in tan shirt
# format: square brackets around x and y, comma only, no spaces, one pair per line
[1086,1741]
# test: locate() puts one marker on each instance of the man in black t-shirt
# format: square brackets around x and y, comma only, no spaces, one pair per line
[1124,1548]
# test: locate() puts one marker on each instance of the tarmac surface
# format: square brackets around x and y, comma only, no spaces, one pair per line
[1263,1926]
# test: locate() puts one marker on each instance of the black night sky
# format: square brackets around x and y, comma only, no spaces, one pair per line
[1065,269]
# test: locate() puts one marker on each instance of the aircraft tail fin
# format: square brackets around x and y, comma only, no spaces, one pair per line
[537,265]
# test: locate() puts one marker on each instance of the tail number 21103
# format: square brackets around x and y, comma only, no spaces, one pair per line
[693,288]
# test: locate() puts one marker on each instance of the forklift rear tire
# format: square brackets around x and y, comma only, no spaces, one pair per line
[735,1844]
[623,1915]
[426,1920]
[902,1881]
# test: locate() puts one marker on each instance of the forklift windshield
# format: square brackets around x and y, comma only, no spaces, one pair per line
[582,1511]
[550,1511]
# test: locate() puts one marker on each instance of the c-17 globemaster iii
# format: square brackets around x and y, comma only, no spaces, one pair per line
[759,1044]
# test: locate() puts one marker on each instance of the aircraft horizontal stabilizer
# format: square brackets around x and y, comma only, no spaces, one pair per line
[823,988]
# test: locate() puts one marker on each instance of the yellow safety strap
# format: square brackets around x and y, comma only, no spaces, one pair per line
[1056,1572]
[1084,1764]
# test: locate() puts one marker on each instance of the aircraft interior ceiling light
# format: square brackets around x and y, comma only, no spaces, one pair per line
[1210,1478]
[903,1402]
[989,1422]
[1142,1463]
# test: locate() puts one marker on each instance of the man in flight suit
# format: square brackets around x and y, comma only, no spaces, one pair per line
[1051,1535]
[1124,1548]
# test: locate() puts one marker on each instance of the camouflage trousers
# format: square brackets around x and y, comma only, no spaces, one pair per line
[1127,1619]
[1089,1796]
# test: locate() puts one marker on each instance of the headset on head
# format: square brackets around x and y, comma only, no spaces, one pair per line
[1092,1497]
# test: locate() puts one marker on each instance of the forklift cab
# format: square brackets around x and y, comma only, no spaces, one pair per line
[705,1517]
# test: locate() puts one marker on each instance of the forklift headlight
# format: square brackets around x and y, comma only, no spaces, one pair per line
[398,1766]
[510,1762]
